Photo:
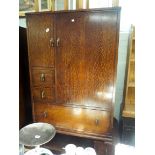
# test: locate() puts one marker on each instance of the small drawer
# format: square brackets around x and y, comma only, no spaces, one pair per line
[43,94]
[73,119]
[43,77]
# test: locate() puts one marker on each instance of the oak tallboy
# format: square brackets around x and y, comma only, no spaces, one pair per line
[73,61]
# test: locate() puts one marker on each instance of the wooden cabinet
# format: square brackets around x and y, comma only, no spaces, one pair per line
[129,89]
[128,108]
[73,61]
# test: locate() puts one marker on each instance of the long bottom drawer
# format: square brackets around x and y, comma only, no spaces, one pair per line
[73,118]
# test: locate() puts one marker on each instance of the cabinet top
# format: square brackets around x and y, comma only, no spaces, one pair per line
[117,9]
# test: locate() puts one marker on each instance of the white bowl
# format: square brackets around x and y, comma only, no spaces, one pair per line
[90,151]
[80,151]
[70,149]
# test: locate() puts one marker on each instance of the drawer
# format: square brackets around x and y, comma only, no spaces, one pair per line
[73,118]
[43,94]
[43,77]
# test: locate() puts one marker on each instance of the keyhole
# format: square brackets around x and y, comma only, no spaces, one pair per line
[97,122]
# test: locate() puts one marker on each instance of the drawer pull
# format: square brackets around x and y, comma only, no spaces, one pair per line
[42,77]
[97,122]
[43,94]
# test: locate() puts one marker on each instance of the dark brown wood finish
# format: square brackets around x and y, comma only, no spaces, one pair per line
[104,148]
[98,122]
[43,94]
[73,77]
[39,35]
[70,82]
[43,76]
[85,61]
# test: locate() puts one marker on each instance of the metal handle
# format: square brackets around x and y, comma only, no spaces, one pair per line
[97,122]
[42,77]
[52,42]
[43,94]
[58,42]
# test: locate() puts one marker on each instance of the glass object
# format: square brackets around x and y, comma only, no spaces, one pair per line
[80,151]
[90,151]
[70,149]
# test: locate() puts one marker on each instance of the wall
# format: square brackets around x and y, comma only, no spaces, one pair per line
[122,53]
[22,22]
[127,17]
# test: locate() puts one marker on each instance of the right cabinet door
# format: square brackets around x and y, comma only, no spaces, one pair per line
[85,58]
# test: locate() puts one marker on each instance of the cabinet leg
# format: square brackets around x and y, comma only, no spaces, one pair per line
[99,148]
[103,148]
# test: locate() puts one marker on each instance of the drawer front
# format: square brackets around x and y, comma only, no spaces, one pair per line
[43,94]
[73,118]
[43,77]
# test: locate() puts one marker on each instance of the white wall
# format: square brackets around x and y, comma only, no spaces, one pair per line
[121,66]
[22,22]
[128,11]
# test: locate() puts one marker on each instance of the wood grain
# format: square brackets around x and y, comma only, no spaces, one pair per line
[78,119]
[40,30]
[48,78]
[85,61]
[79,70]
[43,94]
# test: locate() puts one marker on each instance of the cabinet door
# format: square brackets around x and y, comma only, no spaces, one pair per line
[40,32]
[85,58]
[69,57]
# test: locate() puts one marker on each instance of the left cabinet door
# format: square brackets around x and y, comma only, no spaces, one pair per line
[41,40]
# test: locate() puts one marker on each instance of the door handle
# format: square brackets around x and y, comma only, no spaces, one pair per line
[58,42]
[42,77]
[52,42]
[43,94]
